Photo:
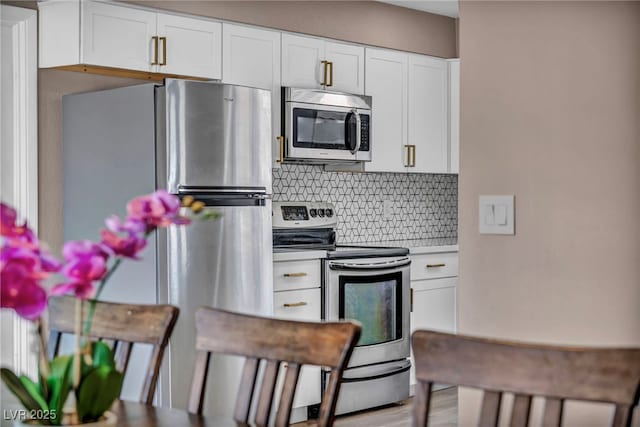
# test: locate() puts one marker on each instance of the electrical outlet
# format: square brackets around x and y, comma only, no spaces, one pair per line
[387,209]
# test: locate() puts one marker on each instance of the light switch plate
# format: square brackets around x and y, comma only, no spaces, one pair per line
[497,215]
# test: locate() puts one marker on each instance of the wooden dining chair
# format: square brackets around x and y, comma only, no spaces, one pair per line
[276,342]
[526,370]
[121,325]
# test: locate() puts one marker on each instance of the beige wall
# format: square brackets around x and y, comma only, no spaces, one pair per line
[52,84]
[551,113]
[358,21]
[367,22]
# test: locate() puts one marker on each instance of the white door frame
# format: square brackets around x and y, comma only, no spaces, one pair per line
[23,25]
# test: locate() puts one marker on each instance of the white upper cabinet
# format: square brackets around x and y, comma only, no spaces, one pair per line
[302,62]
[117,36]
[251,57]
[346,66]
[189,46]
[416,98]
[454,115]
[314,63]
[410,116]
[387,85]
[428,114]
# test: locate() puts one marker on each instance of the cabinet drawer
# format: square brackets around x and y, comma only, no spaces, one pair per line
[298,305]
[433,266]
[301,305]
[292,275]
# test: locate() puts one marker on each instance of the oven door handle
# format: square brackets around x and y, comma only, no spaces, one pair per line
[334,265]
[368,373]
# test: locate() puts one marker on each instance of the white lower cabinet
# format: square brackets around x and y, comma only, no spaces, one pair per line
[300,301]
[434,296]
[302,305]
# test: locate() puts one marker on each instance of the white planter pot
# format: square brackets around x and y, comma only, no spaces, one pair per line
[108,419]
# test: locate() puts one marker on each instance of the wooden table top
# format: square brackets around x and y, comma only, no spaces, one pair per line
[134,414]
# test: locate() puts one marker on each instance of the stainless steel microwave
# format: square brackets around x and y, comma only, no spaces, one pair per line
[325,127]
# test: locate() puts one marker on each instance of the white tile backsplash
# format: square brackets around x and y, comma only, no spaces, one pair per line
[423,206]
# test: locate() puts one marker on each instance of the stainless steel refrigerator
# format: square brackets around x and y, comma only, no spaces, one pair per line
[205,139]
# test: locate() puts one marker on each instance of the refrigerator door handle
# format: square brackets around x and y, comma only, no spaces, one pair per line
[259,196]
[187,189]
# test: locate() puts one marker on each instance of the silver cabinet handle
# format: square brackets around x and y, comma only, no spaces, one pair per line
[294,304]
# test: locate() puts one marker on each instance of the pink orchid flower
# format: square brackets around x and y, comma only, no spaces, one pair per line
[11,256]
[159,209]
[19,276]
[8,218]
[124,239]
[22,294]
[86,263]
[128,246]
[15,235]
[130,225]
[74,249]
[86,260]
[79,289]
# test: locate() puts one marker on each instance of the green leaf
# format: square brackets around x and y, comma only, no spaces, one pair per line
[59,383]
[210,215]
[102,355]
[44,387]
[35,391]
[60,365]
[19,390]
[97,392]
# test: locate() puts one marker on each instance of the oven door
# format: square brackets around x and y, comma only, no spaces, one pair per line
[323,132]
[376,293]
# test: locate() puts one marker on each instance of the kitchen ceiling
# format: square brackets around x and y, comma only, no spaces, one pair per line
[439,7]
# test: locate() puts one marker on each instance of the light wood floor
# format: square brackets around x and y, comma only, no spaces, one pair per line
[444,412]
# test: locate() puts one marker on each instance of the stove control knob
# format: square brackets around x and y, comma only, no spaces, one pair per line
[328,212]
[320,212]
[313,213]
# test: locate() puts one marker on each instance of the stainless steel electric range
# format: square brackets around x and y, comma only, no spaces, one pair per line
[365,283]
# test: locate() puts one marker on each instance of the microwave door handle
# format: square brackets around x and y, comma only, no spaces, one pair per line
[358,131]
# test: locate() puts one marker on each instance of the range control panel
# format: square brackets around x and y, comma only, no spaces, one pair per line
[304,215]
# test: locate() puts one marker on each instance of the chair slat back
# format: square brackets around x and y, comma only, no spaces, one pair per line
[278,343]
[120,325]
[526,370]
